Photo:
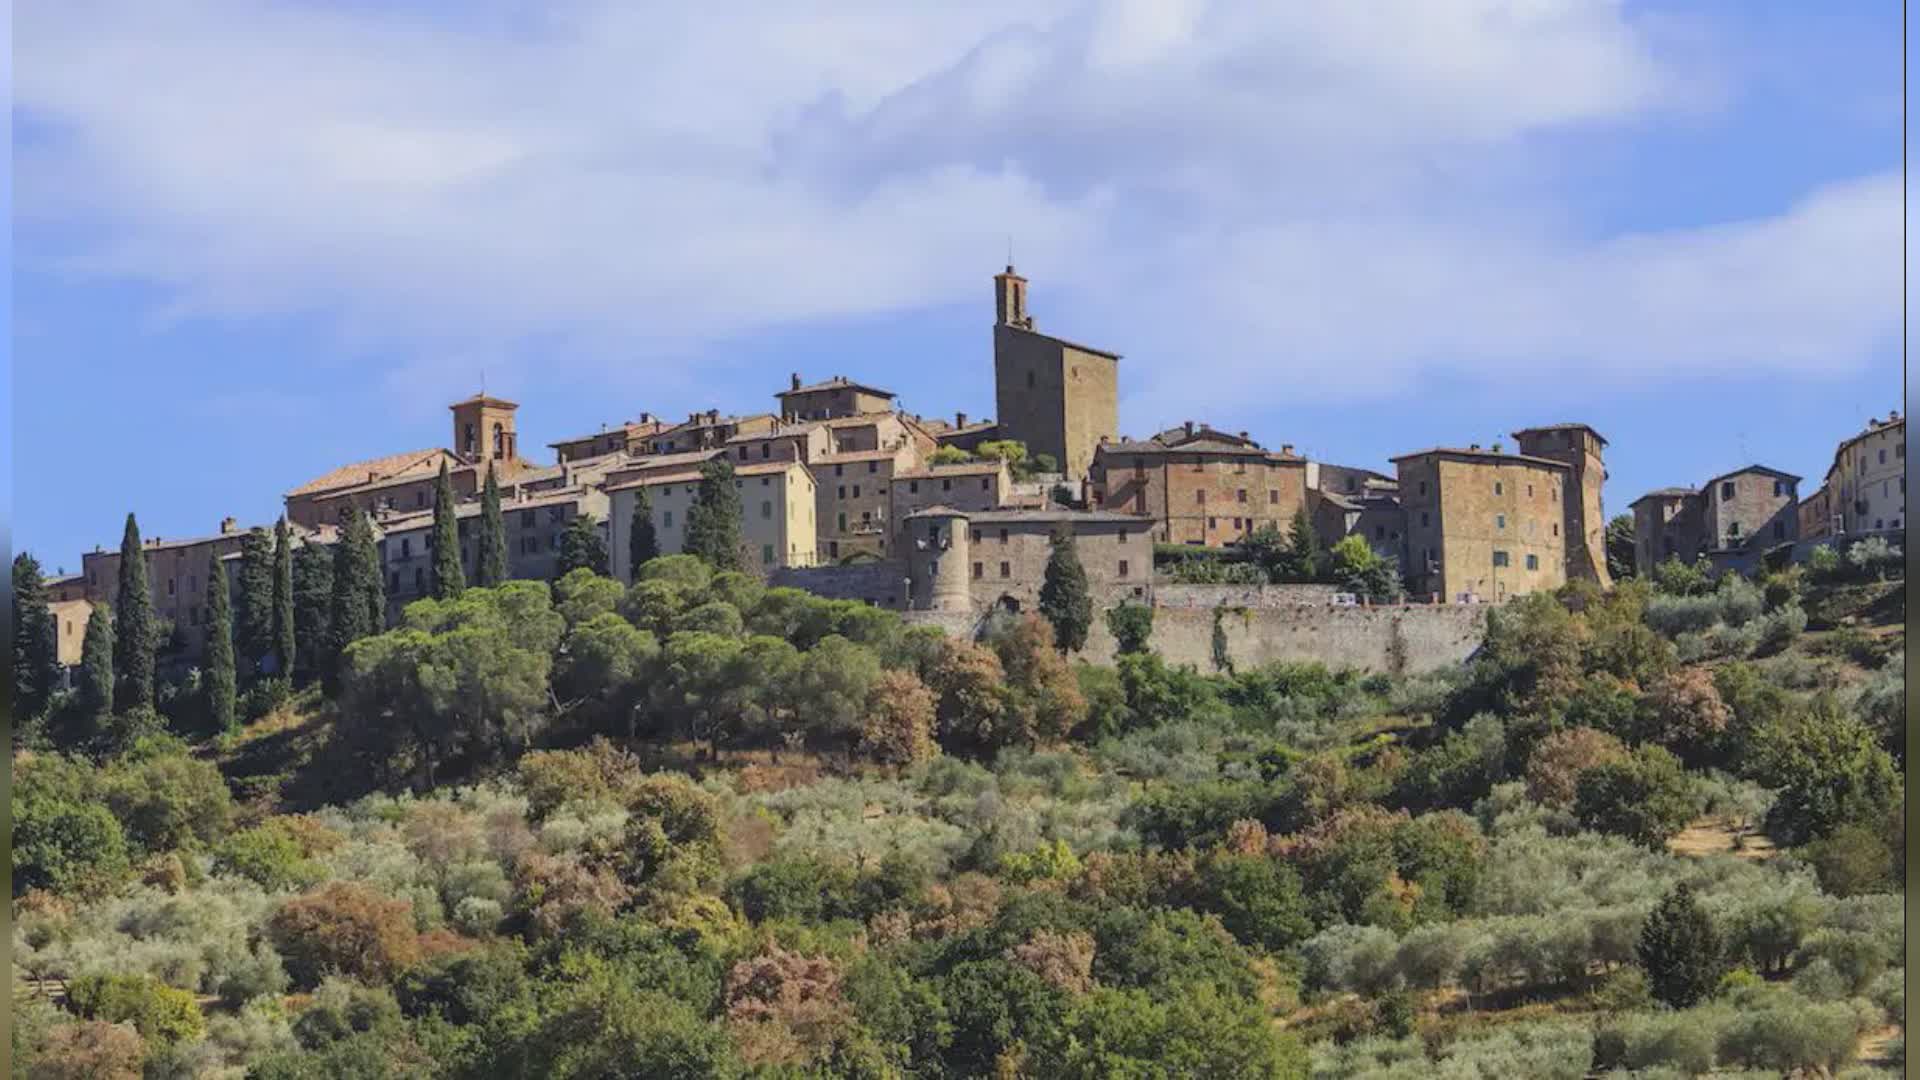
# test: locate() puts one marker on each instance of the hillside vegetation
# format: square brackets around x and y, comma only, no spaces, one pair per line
[696,827]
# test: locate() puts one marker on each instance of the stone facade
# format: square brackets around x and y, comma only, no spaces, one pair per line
[177,576]
[706,431]
[1754,506]
[1667,524]
[1815,515]
[534,525]
[69,627]
[1867,481]
[483,430]
[1201,489]
[1583,511]
[855,502]
[623,439]
[1006,552]
[972,486]
[838,396]
[777,506]
[1059,398]
[1482,525]
[1401,640]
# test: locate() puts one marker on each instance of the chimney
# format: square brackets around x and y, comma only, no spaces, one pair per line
[713,416]
[959,420]
[1496,448]
[1189,426]
[228,525]
[1286,448]
[796,380]
[1473,446]
[1243,434]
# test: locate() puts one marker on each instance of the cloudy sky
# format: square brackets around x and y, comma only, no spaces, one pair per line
[255,240]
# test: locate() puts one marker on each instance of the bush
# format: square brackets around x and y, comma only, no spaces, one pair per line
[347,928]
[269,856]
[158,1011]
[1646,798]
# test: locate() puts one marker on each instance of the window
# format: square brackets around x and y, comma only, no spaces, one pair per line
[1556,528]
[976,536]
[556,513]
[394,583]
[1003,536]
[1123,536]
[667,520]
[843,521]
[1779,487]
[406,547]
[1423,487]
[1123,568]
[1200,497]
[1499,558]
[766,481]
[766,450]
[1529,491]
[1273,498]
[1779,530]
[842,492]
[1533,562]
[913,487]
[856,491]
[169,586]
[1499,521]
[1379,532]
[873,467]
[1883,457]
[419,579]
[1006,570]
[833,549]
[1726,489]
[1733,530]
[866,517]
[1879,524]
[526,519]
[1213,523]
[766,553]
[1029,380]
[983,483]
[839,470]
[1241,495]
[743,453]
[766,508]
[946,485]
[1498,488]
[979,571]
[419,498]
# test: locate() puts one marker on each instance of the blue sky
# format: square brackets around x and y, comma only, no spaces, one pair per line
[256,240]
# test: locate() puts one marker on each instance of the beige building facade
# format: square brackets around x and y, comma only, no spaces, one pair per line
[1200,486]
[534,525]
[777,506]
[997,559]
[1584,511]
[838,396]
[1867,481]
[969,486]
[1482,525]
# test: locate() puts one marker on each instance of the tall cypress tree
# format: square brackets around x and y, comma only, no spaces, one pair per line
[449,580]
[1303,547]
[490,556]
[1064,599]
[283,639]
[581,548]
[221,676]
[713,521]
[253,611]
[312,608]
[359,593]
[96,669]
[133,635]
[643,543]
[1680,950]
[36,657]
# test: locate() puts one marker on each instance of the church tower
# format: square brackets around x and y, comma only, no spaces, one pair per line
[1059,398]
[483,430]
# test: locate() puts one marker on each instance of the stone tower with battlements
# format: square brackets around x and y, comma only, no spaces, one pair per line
[1583,512]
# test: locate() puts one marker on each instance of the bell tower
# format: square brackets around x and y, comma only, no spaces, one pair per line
[1010,299]
[483,430]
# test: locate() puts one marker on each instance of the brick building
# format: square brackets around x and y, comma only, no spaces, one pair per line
[1815,515]
[1199,485]
[1483,524]
[177,576]
[1058,397]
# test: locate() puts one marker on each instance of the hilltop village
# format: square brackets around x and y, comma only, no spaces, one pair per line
[846,495]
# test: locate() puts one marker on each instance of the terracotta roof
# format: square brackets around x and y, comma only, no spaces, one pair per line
[651,427]
[965,468]
[857,455]
[758,468]
[780,430]
[838,382]
[1198,446]
[1095,517]
[1769,470]
[1177,436]
[1467,451]
[661,461]
[485,399]
[360,472]
[861,420]
[1561,427]
[1665,493]
[948,431]
[469,508]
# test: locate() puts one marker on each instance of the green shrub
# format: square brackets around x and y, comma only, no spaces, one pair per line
[158,1011]
[269,856]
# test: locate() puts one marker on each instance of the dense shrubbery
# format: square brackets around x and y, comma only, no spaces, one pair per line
[891,853]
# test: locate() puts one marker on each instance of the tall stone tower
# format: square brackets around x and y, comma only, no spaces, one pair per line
[1584,516]
[1058,397]
[937,548]
[483,430]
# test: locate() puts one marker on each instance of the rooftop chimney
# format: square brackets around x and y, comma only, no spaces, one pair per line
[1189,426]
[796,380]
[1473,446]
[1286,448]
[1243,434]
[228,525]
[959,420]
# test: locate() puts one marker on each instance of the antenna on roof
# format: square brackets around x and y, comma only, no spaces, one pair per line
[1009,249]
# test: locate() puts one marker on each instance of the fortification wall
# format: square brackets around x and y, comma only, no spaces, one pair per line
[883,582]
[1395,640]
[1208,597]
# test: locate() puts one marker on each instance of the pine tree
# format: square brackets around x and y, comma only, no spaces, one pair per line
[313,608]
[283,639]
[221,675]
[1303,547]
[643,543]
[1680,950]
[1222,659]
[581,548]
[133,632]
[1064,600]
[490,559]
[713,521]
[449,580]
[359,593]
[96,669]
[36,659]
[253,610]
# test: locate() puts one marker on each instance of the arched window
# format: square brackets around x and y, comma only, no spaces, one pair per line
[499,440]
[468,444]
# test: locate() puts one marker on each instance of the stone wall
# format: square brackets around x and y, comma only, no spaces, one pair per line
[882,582]
[1208,597]
[1398,640]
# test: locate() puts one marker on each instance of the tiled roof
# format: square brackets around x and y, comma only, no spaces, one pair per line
[758,468]
[965,468]
[1467,451]
[1561,427]
[848,456]
[861,420]
[380,468]
[1198,446]
[948,431]
[470,508]
[1097,517]
[663,461]
[1768,470]
[651,427]
[485,399]
[838,382]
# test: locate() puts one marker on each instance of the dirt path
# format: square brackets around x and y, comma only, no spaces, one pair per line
[1713,836]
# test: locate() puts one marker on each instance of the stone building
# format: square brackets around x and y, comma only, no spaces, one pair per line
[996,559]
[962,434]
[177,576]
[838,396]
[1755,505]
[1482,525]
[777,506]
[69,628]
[1667,524]
[659,465]
[1059,398]
[483,437]
[534,524]
[1815,515]
[855,500]
[1867,481]
[706,431]
[627,438]
[1584,512]
[1200,486]
[784,441]
[968,486]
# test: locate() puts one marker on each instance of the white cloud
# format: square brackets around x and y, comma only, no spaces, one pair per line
[1262,192]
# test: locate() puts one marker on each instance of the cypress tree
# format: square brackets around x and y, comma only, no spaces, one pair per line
[490,560]
[36,658]
[449,580]
[283,640]
[312,608]
[1679,949]
[1064,599]
[359,593]
[96,669]
[253,611]
[581,548]
[1303,547]
[643,543]
[133,634]
[221,676]
[713,521]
